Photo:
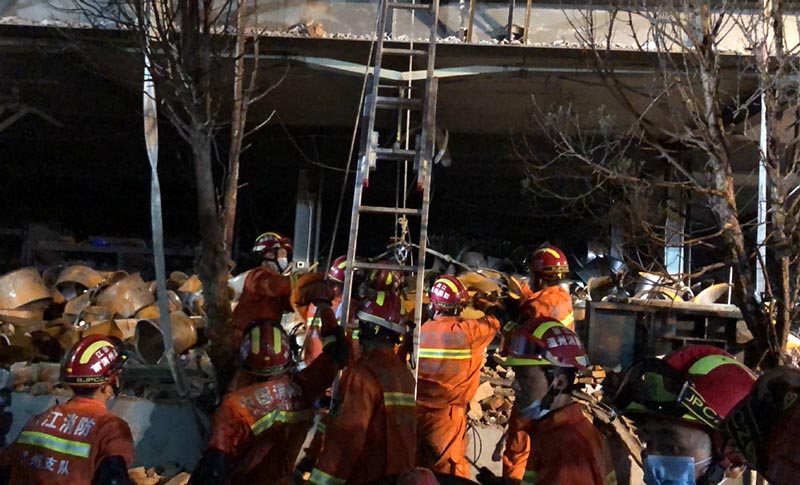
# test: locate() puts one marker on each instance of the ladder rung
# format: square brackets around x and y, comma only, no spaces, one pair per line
[404,52]
[410,6]
[394,154]
[395,103]
[391,267]
[390,210]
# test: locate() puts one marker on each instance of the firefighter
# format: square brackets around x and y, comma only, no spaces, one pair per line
[267,292]
[79,441]
[317,302]
[372,431]
[764,428]
[258,430]
[275,251]
[548,299]
[320,313]
[545,297]
[336,275]
[451,355]
[566,448]
[678,405]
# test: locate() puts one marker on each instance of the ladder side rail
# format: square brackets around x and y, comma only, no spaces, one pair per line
[425,175]
[362,167]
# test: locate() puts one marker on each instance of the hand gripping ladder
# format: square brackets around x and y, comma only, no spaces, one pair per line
[406,101]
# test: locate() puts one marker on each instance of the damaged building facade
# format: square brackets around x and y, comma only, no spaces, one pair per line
[521,89]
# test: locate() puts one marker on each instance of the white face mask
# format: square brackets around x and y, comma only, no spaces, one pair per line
[533,411]
[283,263]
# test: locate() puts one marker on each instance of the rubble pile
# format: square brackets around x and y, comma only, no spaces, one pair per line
[41,316]
[494,399]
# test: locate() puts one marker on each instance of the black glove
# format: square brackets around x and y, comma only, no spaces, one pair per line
[212,469]
[336,347]
[112,471]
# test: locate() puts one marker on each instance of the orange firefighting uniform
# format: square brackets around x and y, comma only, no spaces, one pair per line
[451,354]
[518,445]
[263,426]
[566,448]
[265,296]
[319,316]
[66,444]
[372,432]
[552,302]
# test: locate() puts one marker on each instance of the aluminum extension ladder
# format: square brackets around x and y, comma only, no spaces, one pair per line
[407,102]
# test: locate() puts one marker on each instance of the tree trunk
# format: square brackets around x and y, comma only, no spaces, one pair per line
[238,119]
[212,268]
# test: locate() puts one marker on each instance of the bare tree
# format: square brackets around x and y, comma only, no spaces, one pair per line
[197,52]
[717,65]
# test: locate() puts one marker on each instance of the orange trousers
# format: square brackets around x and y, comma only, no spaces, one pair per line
[442,440]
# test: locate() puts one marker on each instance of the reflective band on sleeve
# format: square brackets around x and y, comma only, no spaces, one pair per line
[710,362]
[541,329]
[314,322]
[611,478]
[322,427]
[398,399]
[280,416]
[570,318]
[328,340]
[255,340]
[356,333]
[380,298]
[319,477]
[449,354]
[530,478]
[54,443]
[276,339]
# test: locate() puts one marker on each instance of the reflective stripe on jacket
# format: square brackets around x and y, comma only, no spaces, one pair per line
[372,431]
[66,444]
[451,355]
[551,302]
[265,296]
[262,427]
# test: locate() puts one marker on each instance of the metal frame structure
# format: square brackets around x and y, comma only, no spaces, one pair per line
[404,102]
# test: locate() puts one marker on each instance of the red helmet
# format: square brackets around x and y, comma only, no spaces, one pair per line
[272,241]
[382,311]
[764,426]
[548,262]
[699,384]
[385,280]
[543,341]
[93,361]
[265,349]
[338,269]
[448,293]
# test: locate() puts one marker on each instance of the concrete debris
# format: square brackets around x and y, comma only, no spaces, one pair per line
[494,398]
[302,30]
[140,476]
[179,479]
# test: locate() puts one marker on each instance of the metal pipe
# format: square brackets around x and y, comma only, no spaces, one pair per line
[527,22]
[471,20]
[761,233]
[510,28]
